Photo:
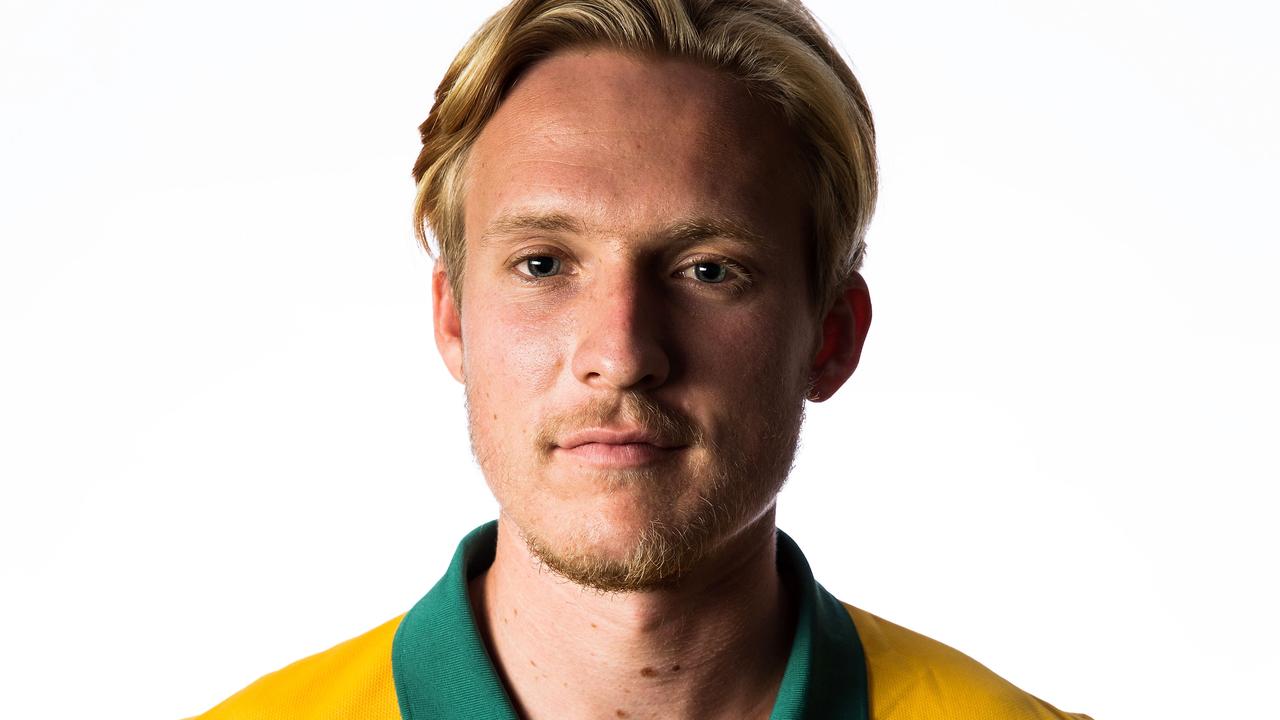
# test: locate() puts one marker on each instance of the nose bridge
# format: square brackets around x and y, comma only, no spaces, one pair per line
[619,342]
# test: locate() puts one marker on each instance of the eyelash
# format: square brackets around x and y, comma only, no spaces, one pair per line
[740,278]
[524,257]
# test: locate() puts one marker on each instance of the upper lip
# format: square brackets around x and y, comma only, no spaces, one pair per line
[613,436]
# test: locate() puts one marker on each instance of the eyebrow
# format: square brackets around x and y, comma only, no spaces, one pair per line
[684,231]
[514,223]
[695,229]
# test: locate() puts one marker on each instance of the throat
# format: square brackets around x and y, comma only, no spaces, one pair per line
[715,646]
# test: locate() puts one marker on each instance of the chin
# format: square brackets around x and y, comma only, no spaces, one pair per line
[623,549]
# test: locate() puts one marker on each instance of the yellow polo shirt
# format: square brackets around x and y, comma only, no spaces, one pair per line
[430,664]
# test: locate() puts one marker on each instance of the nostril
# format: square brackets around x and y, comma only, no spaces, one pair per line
[620,350]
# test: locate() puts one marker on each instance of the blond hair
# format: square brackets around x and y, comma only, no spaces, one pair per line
[775,47]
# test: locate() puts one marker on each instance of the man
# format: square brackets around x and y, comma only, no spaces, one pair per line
[650,215]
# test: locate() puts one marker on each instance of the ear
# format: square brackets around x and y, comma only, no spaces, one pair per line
[844,330]
[448,322]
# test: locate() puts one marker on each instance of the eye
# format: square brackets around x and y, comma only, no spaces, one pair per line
[707,272]
[540,266]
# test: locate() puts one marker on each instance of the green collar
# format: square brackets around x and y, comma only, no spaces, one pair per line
[443,672]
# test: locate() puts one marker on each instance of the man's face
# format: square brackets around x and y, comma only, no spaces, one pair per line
[636,334]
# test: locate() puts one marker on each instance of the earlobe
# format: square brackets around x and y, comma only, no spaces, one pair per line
[844,330]
[447,319]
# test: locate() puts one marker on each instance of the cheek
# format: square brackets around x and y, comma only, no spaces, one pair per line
[746,379]
[511,357]
[754,352]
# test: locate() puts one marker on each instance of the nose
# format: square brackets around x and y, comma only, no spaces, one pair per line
[619,340]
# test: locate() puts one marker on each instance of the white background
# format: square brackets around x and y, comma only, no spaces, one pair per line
[226,440]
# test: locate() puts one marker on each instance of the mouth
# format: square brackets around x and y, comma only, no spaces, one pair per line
[616,448]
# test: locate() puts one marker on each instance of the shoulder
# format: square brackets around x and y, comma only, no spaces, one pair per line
[912,676]
[351,680]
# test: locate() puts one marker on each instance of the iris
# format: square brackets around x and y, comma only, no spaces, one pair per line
[710,272]
[543,265]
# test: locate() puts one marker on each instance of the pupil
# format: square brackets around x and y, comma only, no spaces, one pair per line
[710,272]
[542,266]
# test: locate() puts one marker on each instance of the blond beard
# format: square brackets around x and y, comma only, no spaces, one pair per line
[670,547]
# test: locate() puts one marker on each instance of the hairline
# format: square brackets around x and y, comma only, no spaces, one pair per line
[705,226]
[775,48]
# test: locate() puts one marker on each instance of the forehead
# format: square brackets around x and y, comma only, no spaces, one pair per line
[624,142]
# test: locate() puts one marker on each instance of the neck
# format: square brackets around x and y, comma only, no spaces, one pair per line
[713,646]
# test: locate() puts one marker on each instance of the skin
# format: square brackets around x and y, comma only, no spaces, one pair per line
[596,171]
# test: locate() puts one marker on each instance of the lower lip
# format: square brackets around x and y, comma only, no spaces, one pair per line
[620,455]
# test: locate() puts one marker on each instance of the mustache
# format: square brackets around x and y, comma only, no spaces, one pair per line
[666,424]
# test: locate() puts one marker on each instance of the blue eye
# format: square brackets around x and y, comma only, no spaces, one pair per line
[542,265]
[710,272]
